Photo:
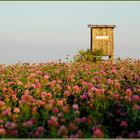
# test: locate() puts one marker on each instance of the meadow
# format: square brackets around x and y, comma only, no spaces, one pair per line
[71,100]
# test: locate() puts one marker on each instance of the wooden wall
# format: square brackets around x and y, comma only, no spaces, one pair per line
[102,38]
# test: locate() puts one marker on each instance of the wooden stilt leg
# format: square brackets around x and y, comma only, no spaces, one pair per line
[111,58]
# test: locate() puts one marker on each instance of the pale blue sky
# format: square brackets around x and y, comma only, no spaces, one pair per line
[45,31]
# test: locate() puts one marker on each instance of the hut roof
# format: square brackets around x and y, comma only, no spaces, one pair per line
[101,26]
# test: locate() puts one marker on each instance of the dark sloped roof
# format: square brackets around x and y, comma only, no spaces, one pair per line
[101,26]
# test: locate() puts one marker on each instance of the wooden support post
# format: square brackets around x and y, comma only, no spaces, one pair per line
[111,58]
[91,49]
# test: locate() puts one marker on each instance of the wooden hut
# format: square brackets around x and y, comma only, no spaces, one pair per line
[102,38]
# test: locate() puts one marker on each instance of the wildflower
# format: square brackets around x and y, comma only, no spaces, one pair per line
[53,121]
[132,135]
[14,117]
[54,118]
[138,90]
[76,89]
[67,93]
[34,110]
[26,98]
[116,96]
[98,133]
[60,103]
[2,131]
[77,112]
[4,90]
[40,103]
[32,75]
[83,83]
[83,119]
[117,85]
[14,133]
[19,83]
[52,83]
[89,120]
[90,85]
[68,87]
[127,98]
[27,124]
[43,96]
[98,92]
[59,88]
[77,120]
[72,126]
[52,101]
[10,125]
[136,107]
[135,98]
[26,91]
[118,111]
[14,97]
[16,110]
[124,124]
[6,112]
[124,114]
[65,109]
[110,82]
[55,110]
[79,134]
[60,114]
[101,91]
[37,84]
[96,79]
[138,134]
[62,120]
[128,92]
[93,89]
[49,95]
[63,131]
[75,107]
[72,136]
[39,131]
[1,121]
[49,107]
[2,103]
[90,94]
[114,70]
[34,86]
[84,97]
[46,77]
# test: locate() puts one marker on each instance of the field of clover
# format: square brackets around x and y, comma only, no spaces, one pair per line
[75,100]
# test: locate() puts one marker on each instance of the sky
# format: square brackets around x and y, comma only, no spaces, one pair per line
[34,32]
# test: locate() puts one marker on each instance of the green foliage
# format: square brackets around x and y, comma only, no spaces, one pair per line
[88,55]
[101,106]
